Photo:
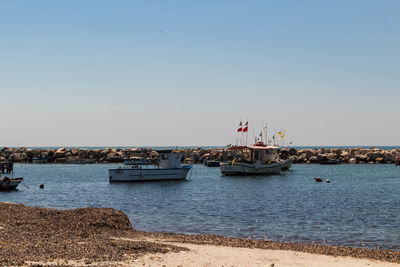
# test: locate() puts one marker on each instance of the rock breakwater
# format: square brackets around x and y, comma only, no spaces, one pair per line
[193,155]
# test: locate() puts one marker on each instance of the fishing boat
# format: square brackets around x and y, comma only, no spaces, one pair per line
[7,180]
[257,159]
[168,168]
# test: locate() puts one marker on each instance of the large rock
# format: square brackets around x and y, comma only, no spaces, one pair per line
[352,161]
[24,156]
[15,157]
[292,151]
[361,158]
[60,153]
[389,158]
[114,157]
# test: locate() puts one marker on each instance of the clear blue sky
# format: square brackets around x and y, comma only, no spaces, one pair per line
[106,73]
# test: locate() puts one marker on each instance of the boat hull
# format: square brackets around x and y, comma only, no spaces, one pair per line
[241,168]
[151,174]
[14,182]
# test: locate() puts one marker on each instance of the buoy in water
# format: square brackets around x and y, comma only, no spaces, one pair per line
[328,181]
[318,179]
[41,186]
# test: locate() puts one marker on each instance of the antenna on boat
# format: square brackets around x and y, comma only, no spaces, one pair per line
[254,132]
[247,131]
[266,134]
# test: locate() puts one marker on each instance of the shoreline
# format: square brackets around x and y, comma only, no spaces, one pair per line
[195,155]
[104,236]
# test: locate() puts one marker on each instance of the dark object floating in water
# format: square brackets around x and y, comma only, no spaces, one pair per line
[328,181]
[318,179]
[329,162]
[41,186]
[211,163]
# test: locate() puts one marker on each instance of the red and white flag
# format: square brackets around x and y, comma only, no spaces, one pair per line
[240,127]
[246,127]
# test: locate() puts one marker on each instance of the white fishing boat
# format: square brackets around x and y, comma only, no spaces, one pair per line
[169,168]
[257,159]
[7,180]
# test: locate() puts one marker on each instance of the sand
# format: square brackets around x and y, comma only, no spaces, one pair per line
[208,255]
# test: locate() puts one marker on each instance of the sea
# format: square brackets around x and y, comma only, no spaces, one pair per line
[360,207]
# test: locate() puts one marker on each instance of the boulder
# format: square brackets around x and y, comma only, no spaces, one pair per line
[15,157]
[24,156]
[204,157]
[389,158]
[114,157]
[352,161]
[361,158]
[59,154]
[332,156]
[189,161]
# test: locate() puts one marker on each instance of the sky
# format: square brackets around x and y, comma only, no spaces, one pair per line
[179,73]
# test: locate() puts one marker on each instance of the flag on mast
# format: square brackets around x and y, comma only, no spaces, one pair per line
[246,127]
[240,127]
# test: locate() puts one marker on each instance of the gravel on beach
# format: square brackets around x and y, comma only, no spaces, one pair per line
[34,234]
[41,234]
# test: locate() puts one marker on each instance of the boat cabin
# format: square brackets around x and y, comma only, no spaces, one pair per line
[263,154]
[169,158]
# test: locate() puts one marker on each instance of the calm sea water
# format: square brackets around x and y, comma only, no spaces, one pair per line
[360,207]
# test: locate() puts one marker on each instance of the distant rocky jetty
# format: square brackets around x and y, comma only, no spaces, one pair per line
[192,155]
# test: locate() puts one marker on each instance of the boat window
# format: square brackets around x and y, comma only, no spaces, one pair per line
[256,155]
[164,156]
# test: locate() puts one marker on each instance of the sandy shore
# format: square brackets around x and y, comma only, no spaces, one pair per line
[212,255]
[209,255]
[32,236]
